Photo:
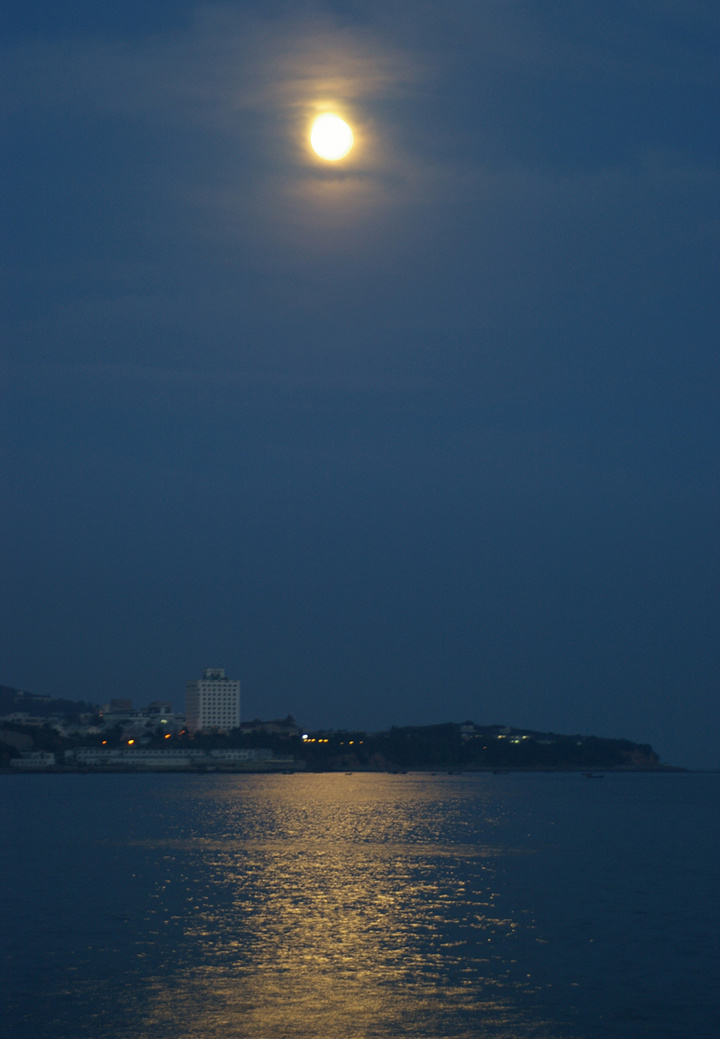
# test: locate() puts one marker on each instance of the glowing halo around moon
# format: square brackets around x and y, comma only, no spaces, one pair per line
[331,137]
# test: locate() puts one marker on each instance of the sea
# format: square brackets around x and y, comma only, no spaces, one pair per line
[360,906]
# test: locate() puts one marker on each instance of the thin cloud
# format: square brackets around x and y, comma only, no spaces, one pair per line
[226,104]
[247,88]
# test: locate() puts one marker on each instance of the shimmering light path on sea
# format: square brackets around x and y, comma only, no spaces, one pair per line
[436,907]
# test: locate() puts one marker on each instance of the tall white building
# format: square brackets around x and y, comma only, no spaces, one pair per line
[213,702]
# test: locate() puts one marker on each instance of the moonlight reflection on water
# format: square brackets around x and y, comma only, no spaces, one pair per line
[339,914]
[448,907]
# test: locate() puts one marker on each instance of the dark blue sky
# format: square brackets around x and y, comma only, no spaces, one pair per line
[429,435]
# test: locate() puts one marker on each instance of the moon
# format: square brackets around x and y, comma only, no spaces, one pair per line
[331,137]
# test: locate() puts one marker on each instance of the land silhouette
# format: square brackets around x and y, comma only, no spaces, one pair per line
[61,726]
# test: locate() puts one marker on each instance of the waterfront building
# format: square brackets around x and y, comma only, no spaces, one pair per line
[34,759]
[212,702]
[174,757]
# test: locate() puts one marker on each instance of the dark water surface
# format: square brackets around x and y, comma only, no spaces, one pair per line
[360,906]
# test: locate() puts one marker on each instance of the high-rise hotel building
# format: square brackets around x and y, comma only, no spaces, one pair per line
[213,702]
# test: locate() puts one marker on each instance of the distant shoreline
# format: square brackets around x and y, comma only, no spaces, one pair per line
[300,770]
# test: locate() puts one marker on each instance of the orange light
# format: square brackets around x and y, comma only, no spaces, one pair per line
[130,743]
[167,735]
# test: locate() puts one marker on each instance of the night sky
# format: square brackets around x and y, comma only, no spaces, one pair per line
[429,434]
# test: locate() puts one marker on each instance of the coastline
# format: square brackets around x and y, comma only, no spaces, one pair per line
[300,768]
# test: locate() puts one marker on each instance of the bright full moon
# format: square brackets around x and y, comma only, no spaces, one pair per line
[331,137]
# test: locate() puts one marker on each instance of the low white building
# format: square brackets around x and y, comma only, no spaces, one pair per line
[168,757]
[34,759]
